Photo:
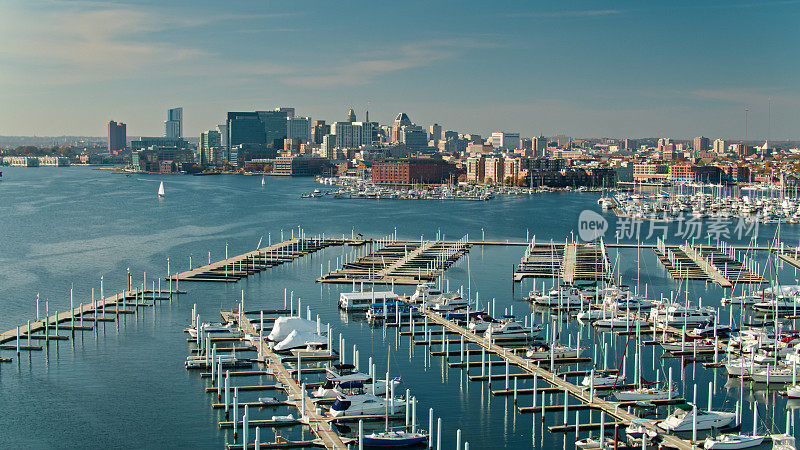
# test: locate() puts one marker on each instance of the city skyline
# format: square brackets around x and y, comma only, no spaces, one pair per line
[533,68]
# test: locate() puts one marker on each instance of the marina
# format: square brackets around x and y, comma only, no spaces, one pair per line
[490,385]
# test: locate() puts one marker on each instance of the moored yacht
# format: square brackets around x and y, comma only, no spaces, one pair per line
[683,418]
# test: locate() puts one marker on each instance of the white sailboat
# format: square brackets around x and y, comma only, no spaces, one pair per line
[263,182]
[161,190]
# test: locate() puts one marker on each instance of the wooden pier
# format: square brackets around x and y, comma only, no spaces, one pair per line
[400,262]
[710,264]
[319,425]
[81,318]
[235,268]
[583,394]
[568,261]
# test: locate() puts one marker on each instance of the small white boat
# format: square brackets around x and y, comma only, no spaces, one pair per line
[622,321]
[603,380]
[263,182]
[637,429]
[395,438]
[508,329]
[364,404]
[793,391]
[642,394]
[542,351]
[732,441]
[286,418]
[592,443]
[269,401]
[161,189]
[682,419]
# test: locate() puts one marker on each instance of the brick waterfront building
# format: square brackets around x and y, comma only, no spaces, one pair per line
[412,171]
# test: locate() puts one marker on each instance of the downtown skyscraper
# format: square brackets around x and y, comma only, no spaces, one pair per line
[173,126]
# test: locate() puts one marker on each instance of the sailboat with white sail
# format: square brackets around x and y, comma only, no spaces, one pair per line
[161,190]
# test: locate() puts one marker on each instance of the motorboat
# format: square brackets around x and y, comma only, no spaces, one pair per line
[705,345]
[216,330]
[480,324]
[781,304]
[269,401]
[345,376]
[793,391]
[301,340]
[450,301]
[732,442]
[627,321]
[543,351]
[637,430]
[645,393]
[683,417]
[564,295]
[424,292]
[592,443]
[676,315]
[395,438]
[509,329]
[603,380]
[364,404]
[709,329]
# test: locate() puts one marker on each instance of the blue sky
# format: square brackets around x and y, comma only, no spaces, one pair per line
[615,68]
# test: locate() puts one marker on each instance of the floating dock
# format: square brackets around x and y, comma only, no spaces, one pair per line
[400,262]
[82,317]
[235,268]
[557,382]
[710,264]
[568,261]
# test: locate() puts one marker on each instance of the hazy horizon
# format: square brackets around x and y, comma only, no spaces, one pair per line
[622,69]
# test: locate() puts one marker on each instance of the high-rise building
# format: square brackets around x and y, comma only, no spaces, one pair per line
[287,109]
[173,126]
[505,140]
[211,139]
[267,128]
[539,146]
[436,132]
[719,146]
[414,137]
[700,144]
[223,134]
[319,131]
[117,137]
[351,116]
[400,121]
[245,128]
[354,134]
[298,128]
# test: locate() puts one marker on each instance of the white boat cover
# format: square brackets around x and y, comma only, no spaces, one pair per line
[283,326]
[299,339]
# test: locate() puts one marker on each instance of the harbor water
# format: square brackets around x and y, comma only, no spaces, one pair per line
[124,384]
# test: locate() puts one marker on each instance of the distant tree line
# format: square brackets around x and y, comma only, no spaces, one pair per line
[30,150]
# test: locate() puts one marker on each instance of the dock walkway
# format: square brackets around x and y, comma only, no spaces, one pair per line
[582,394]
[237,267]
[400,262]
[320,426]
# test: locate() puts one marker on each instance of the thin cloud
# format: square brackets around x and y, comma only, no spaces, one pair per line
[408,56]
[565,14]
